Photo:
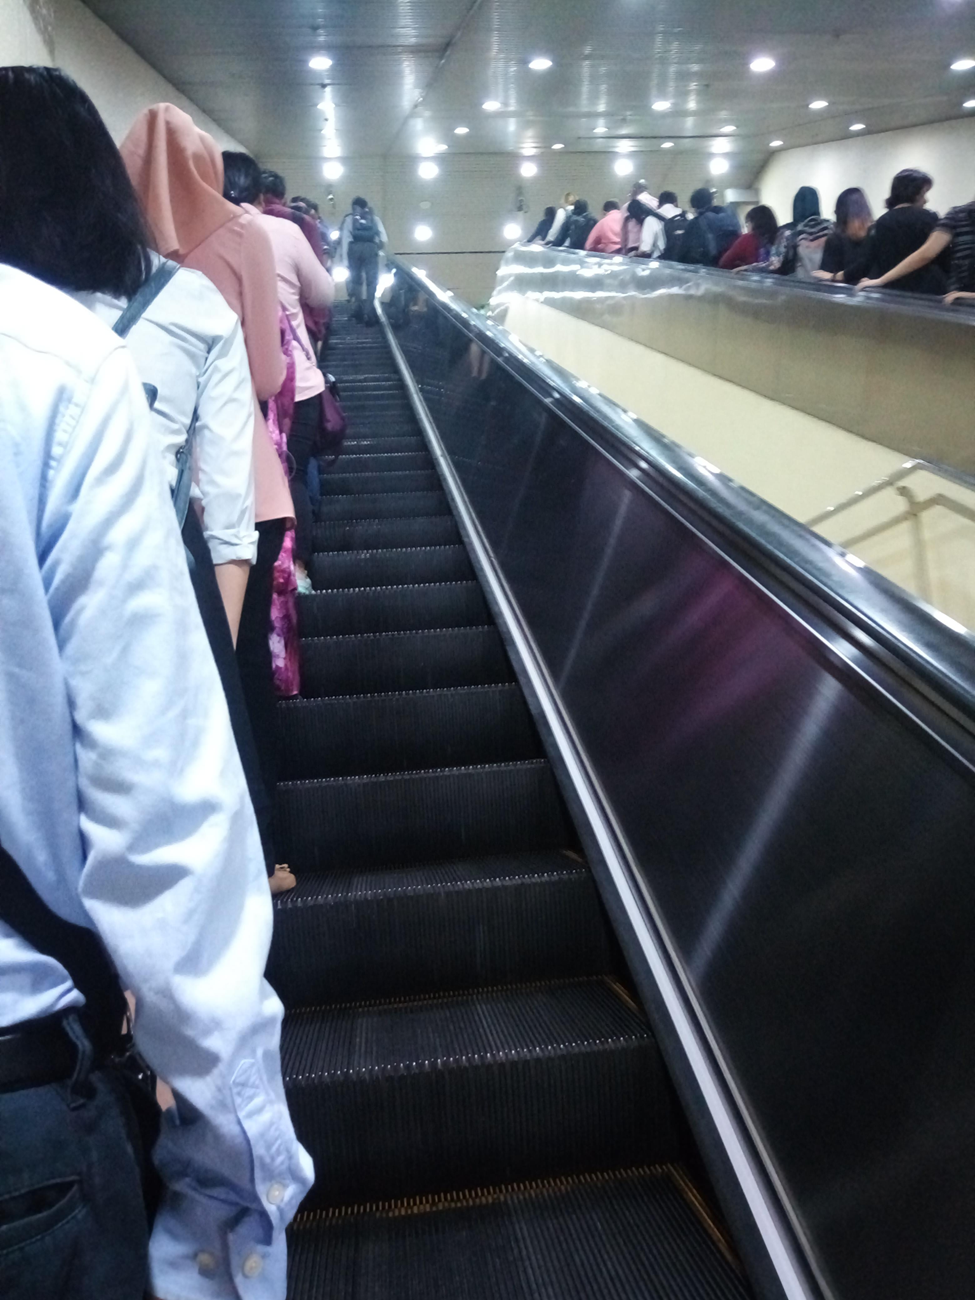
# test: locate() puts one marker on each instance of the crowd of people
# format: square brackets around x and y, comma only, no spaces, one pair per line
[908,247]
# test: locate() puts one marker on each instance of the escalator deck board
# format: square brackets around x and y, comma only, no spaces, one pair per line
[627,1235]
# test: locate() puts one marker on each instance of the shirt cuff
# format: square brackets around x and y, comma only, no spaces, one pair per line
[204,1250]
[231,544]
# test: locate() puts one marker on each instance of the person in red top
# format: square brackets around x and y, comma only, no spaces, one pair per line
[606,235]
[756,244]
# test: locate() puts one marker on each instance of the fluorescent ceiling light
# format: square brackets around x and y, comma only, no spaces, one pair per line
[491,105]
[727,130]
[762,64]
[719,166]
[540,64]
[819,103]
[427,170]
[558,146]
[858,126]
[721,146]
[600,130]
[775,144]
[462,130]
[667,144]
[512,231]
[963,65]
[422,234]
[332,171]
[661,105]
[320,63]
[529,169]
[622,167]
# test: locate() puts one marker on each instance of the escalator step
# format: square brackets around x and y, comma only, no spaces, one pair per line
[403,661]
[355,461]
[382,505]
[363,443]
[341,482]
[386,534]
[629,1235]
[390,568]
[358,735]
[466,812]
[392,609]
[436,929]
[432,1095]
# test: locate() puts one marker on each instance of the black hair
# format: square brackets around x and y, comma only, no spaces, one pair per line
[908,186]
[310,204]
[763,223]
[702,199]
[667,196]
[853,214]
[805,204]
[242,178]
[549,214]
[580,208]
[611,206]
[359,202]
[273,183]
[68,212]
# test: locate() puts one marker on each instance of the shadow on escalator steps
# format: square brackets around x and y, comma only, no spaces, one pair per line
[486,1106]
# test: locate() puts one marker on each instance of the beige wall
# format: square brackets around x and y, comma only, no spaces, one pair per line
[67,34]
[945,150]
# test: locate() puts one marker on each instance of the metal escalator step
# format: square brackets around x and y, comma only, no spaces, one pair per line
[436,929]
[432,1095]
[386,534]
[392,609]
[390,567]
[403,661]
[340,482]
[358,735]
[382,505]
[363,443]
[632,1234]
[356,461]
[466,812]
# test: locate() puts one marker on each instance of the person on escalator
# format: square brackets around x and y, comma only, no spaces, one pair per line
[607,233]
[561,217]
[577,229]
[362,238]
[710,233]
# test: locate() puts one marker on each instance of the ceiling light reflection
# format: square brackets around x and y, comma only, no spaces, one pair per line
[819,103]
[491,105]
[320,63]
[661,105]
[422,233]
[428,170]
[762,64]
[963,65]
[719,166]
[528,169]
[332,171]
[540,64]
[667,144]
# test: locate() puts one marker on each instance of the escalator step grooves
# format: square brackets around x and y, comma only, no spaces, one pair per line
[403,661]
[629,1236]
[350,482]
[453,925]
[436,1094]
[382,505]
[392,609]
[356,461]
[390,567]
[420,816]
[386,534]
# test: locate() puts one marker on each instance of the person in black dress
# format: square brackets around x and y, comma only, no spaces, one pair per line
[846,245]
[902,230]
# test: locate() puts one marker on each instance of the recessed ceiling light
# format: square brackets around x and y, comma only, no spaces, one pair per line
[600,130]
[969,103]
[762,64]
[819,103]
[727,130]
[320,63]
[422,233]
[963,65]
[428,170]
[858,126]
[667,144]
[332,171]
[427,148]
[333,150]
[512,231]
[441,148]
[529,169]
[775,144]
[540,64]
[491,105]
[558,146]
[721,146]
[661,105]
[719,166]
[623,167]
[462,130]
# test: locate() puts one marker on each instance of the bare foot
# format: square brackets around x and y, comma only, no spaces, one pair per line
[282,880]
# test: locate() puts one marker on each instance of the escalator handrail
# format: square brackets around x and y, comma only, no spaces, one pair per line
[934,651]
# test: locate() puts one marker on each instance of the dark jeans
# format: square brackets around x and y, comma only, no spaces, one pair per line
[302,441]
[217,628]
[254,653]
[363,274]
[72,1218]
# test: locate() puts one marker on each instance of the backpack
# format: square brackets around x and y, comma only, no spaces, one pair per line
[674,228]
[725,229]
[365,229]
[580,228]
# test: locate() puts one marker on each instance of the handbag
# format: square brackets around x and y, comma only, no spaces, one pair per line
[333,424]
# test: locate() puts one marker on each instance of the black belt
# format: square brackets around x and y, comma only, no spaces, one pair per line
[35,1053]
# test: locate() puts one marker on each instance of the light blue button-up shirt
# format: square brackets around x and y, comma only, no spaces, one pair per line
[122,796]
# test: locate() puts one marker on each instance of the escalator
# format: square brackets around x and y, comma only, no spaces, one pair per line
[463,1052]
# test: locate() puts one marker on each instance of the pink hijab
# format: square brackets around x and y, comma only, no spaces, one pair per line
[177,172]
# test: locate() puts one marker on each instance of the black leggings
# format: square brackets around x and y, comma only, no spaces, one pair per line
[302,441]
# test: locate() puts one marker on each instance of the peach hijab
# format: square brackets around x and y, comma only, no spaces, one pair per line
[177,172]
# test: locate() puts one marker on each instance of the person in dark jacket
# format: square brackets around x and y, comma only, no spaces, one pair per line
[576,230]
[711,232]
[541,231]
[901,232]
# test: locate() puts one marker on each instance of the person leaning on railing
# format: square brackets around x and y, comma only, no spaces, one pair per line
[955,230]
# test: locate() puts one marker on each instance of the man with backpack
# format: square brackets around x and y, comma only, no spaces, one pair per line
[362,236]
[710,233]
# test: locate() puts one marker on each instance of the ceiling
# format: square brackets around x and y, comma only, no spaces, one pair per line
[407,71]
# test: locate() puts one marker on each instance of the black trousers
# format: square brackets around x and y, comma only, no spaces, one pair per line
[363,273]
[254,654]
[211,608]
[72,1219]
[302,441]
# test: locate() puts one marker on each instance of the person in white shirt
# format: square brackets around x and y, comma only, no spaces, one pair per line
[123,803]
[561,217]
[653,239]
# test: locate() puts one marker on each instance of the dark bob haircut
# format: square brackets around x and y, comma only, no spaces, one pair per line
[242,182]
[908,186]
[853,215]
[273,183]
[763,223]
[667,196]
[702,199]
[611,206]
[68,212]
[580,208]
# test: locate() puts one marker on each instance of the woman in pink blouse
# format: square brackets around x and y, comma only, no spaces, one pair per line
[177,171]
